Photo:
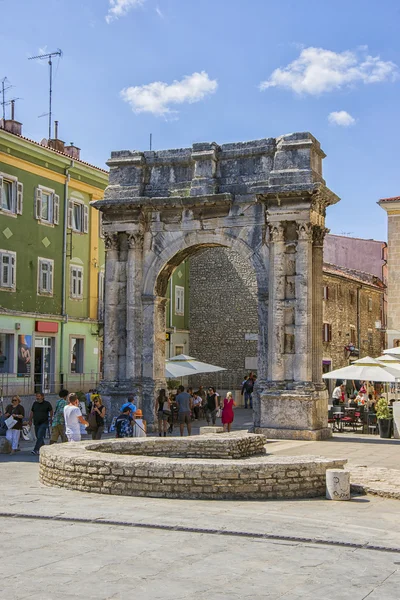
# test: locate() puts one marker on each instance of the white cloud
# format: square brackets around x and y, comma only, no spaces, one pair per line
[342,118]
[159,12]
[120,8]
[157,97]
[317,70]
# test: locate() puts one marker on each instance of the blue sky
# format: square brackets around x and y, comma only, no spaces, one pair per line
[316,58]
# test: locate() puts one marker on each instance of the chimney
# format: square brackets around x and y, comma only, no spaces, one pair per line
[73,151]
[10,124]
[55,143]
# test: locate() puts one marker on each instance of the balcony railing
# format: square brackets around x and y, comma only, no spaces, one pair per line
[48,383]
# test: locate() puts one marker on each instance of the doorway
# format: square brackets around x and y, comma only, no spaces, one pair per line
[44,364]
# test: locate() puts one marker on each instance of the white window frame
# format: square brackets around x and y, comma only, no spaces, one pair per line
[49,289]
[179,300]
[326,292]
[76,281]
[84,224]
[327,333]
[54,206]
[80,364]
[369,304]
[10,283]
[17,191]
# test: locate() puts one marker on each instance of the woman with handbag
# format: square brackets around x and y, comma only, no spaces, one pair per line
[96,418]
[163,409]
[16,412]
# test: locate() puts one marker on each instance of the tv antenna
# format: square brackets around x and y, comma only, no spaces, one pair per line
[49,56]
[5,85]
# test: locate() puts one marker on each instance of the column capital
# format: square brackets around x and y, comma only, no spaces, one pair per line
[304,232]
[135,239]
[276,232]
[319,234]
[111,241]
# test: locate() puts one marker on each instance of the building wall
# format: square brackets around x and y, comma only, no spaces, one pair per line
[223,315]
[340,311]
[23,309]
[394,278]
[355,253]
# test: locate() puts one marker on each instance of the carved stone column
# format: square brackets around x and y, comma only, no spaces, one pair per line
[153,352]
[303,307]
[134,306]
[318,243]
[111,241]
[276,316]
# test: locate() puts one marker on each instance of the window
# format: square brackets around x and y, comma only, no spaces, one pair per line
[178,350]
[352,334]
[370,304]
[7,353]
[11,194]
[76,282]
[326,292]
[327,332]
[352,298]
[370,337]
[47,206]
[77,349]
[179,300]
[101,230]
[78,216]
[7,264]
[45,277]
[100,311]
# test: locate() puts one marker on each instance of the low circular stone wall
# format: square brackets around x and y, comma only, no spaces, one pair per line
[223,447]
[74,466]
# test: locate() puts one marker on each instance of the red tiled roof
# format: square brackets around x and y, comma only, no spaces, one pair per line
[354,275]
[55,151]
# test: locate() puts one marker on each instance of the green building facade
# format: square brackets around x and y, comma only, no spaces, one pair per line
[51,266]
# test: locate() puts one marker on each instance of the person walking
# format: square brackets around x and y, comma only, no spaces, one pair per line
[131,403]
[184,403]
[211,406]
[163,409]
[58,422]
[73,419]
[227,412]
[124,424]
[96,424]
[17,412]
[41,413]
[248,387]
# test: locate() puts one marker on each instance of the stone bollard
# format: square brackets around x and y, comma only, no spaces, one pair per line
[211,429]
[5,446]
[337,484]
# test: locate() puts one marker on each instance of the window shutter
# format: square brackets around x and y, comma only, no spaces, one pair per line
[3,273]
[329,333]
[101,231]
[20,193]
[56,210]
[12,271]
[71,282]
[80,283]
[1,193]
[70,214]
[38,204]
[85,219]
[50,281]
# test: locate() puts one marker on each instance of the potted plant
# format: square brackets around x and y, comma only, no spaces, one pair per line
[384,417]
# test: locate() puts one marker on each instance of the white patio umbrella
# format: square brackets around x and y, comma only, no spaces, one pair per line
[393,351]
[366,369]
[183,365]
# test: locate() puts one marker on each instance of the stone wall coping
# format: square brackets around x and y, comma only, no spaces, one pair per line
[76,453]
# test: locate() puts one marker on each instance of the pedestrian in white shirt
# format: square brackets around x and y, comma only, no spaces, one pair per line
[73,418]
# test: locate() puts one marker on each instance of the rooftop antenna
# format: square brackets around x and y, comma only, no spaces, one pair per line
[49,56]
[4,88]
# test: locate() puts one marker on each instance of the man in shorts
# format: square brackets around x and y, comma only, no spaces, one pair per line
[184,403]
[58,423]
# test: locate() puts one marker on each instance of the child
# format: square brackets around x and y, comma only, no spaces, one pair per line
[139,428]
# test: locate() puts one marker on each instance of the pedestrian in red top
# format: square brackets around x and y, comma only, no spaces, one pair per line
[227,412]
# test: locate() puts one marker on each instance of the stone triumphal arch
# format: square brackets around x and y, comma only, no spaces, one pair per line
[265,199]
